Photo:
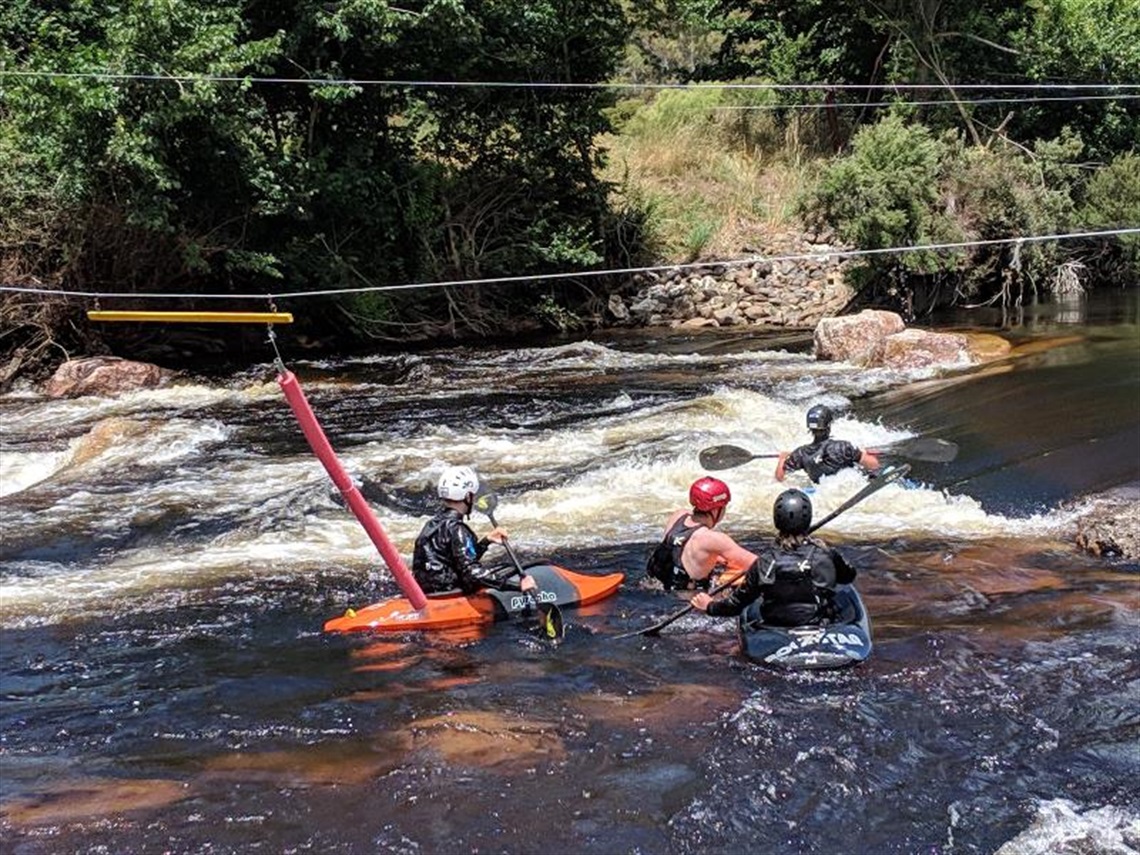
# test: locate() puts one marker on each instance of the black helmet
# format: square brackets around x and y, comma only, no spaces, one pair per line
[819,419]
[792,512]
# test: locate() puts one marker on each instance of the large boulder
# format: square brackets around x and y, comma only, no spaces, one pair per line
[856,338]
[105,376]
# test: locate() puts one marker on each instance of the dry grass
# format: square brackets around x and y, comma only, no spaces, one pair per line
[717,182]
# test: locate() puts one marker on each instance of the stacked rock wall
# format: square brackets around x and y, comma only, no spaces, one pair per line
[792,292]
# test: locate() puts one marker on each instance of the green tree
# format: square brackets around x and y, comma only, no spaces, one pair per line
[192,184]
[1083,41]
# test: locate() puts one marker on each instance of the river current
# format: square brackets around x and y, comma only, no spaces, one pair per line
[168,558]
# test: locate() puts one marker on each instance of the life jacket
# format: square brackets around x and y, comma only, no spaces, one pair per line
[825,457]
[800,592]
[665,564]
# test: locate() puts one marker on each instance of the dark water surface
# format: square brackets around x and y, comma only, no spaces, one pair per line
[167,561]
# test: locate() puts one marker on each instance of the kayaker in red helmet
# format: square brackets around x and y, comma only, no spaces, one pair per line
[690,549]
[823,455]
[447,554]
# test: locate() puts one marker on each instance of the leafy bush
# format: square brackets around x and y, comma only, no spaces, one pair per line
[1111,201]
[886,193]
[902,186]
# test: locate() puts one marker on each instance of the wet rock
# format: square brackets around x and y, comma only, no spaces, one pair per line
[105,435]
[922,349]
[617,308]
[985,347]
[1111,525]
[480,738]
[856,338]
[104,376]
[93,798]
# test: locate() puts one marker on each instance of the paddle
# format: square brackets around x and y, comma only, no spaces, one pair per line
[550,616]
[888,476]
[718,457]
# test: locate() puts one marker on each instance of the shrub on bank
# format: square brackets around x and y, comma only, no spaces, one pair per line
[901,185]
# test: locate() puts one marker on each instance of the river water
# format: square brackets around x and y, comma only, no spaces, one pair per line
[168,559]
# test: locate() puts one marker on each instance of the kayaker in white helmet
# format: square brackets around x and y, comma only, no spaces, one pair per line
[447,554]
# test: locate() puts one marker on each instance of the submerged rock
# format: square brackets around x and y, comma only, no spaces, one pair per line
[1111,526]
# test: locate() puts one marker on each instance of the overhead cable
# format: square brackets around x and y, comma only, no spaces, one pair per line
[527,84]
[583,274]
[859,105]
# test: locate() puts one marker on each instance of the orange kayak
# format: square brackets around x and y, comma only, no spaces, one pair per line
[556,584]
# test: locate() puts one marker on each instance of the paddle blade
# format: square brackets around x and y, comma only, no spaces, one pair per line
[922,448]
[725,457]
[485,503]
[550,617]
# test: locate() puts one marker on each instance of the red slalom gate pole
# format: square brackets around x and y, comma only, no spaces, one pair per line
[359,507]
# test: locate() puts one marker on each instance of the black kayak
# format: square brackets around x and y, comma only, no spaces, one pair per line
[847,641]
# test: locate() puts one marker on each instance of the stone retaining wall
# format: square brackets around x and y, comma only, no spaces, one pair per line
[782,293]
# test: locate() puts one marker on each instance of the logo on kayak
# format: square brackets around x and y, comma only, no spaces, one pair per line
[404,616]
[522,602]
[803,639]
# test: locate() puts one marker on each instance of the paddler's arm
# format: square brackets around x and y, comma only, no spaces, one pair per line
[869,461]
[495,535]
[465,554]
[501,578]
[844,572]
[740,597]
[781,465]
[731,554]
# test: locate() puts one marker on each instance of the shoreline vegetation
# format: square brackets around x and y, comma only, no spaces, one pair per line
[229,149]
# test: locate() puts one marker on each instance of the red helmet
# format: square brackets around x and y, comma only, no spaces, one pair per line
[708,494]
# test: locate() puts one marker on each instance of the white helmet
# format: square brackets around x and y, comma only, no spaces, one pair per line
[457,482]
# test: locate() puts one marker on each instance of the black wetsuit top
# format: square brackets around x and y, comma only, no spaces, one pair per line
[447,557]
[825,457]
[797,584]
[672,574]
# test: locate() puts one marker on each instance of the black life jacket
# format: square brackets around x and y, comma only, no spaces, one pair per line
[825,457]
[665,564]
[801,589]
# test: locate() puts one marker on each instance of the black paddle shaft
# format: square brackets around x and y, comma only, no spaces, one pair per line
[718,457]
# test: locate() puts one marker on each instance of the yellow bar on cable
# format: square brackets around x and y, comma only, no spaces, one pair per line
[195,317]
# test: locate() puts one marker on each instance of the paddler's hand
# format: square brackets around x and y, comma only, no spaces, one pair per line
[780,461]
[527,584]
[497,535]
[700,601]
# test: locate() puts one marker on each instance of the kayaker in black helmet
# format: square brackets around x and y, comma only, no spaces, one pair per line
[796,575]
[823,455]
[447,554]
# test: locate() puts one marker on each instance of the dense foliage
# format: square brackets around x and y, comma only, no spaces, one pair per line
[951,163]
[177,168]
[224,186]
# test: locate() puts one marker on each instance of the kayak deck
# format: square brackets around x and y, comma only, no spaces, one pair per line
[847,641]
[557,585]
